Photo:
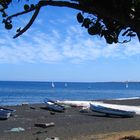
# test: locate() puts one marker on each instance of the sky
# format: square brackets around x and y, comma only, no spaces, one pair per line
[57,48]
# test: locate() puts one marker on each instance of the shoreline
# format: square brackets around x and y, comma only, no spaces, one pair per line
[125,100]
[68,125]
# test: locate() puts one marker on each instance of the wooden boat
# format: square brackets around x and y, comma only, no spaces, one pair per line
[4,114]
[111,111]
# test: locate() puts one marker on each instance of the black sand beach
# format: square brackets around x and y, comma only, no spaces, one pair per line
[70,125]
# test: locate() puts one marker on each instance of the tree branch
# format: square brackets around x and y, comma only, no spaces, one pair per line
[30,22]
[20,13]
[37,9]
[94,9]
[100,11]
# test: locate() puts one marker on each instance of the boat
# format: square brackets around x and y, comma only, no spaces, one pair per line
[53,85]
[53,106]
[4,114]
[76,103]
[8,110]
[111,111]
[126,86]
[66,85]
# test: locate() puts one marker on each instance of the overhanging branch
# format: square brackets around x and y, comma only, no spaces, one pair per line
[95,10]
[30,22]
[92,9]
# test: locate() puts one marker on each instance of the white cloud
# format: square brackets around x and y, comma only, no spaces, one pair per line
[132,48]
[73,45]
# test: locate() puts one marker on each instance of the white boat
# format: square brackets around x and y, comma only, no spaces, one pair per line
[108,105]
[77,103]
[53,85]
[111,111]
[126,85]
[4,114]
[66,84]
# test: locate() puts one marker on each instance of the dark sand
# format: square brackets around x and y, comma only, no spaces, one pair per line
[67,125]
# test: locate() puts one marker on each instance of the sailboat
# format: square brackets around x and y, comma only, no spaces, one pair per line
[66,84]
[126,85]
[53,85]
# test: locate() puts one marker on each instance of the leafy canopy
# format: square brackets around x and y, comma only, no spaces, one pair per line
[111,19]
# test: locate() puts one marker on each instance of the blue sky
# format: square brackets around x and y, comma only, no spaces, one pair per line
[57,48]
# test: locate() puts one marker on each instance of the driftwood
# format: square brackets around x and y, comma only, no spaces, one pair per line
[44,125]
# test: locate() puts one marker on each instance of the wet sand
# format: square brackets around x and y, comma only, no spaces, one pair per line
[68,125]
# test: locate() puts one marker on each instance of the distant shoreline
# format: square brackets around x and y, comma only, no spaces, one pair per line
[38,81]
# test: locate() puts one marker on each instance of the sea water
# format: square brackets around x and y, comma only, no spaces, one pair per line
[17,92]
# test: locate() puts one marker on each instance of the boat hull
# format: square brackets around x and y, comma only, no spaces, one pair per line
[53,106]
[111,111]
[4,114]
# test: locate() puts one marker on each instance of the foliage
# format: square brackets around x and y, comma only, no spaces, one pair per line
[111,19]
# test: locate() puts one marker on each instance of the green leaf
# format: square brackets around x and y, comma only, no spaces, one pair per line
[80,18]
[8,26]
[26,7]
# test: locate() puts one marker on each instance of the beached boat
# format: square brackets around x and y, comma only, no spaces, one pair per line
[8,110]
[111,111]
[53,106]
[77,103]
[4,114]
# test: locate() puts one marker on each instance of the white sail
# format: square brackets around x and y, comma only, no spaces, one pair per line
[53,85]
[66,84]
[126,85]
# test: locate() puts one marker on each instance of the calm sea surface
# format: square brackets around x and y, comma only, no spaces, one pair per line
[12,93]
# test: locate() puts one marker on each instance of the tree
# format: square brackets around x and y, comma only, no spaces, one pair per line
[111,19]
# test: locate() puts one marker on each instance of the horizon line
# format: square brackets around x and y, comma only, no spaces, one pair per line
[126,81]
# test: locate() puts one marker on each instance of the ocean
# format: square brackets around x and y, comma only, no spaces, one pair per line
[18,92]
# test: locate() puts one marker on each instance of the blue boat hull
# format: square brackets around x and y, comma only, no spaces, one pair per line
[4,114]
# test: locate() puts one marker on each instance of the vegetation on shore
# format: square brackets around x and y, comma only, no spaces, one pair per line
[124,135]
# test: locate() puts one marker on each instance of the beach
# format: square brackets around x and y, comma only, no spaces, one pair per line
[70,125]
